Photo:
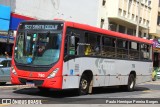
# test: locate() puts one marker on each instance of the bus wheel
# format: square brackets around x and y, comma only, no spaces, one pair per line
[84,85]
[131,82]
[2,83]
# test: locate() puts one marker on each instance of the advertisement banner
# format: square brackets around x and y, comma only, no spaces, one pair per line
[5,12]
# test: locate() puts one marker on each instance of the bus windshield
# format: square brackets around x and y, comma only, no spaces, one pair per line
[37,48]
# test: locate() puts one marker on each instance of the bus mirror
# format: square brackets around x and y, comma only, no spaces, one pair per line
[72,40]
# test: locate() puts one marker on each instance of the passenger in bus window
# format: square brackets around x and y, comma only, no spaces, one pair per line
[6,54]
[41,48]
[97,49]
[88,50]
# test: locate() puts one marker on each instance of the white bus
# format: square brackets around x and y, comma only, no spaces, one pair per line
[78,56]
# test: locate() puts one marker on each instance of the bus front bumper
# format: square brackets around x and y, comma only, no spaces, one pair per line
[54,83]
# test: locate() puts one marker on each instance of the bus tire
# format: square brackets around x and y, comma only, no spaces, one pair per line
[84,85]
[131,83]
[3,83]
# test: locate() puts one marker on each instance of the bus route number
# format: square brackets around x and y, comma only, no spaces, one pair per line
[41,75]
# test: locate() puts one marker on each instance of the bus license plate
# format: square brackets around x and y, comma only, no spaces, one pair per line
[31,84]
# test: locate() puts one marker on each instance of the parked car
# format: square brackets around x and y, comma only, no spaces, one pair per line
[5,66]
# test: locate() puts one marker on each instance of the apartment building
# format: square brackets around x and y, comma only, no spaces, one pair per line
[155,19]
[125,15]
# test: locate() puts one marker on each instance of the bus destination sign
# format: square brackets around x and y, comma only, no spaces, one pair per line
[46,27]
[40,26]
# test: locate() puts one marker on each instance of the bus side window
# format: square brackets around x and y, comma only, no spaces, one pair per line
[77,50]
[122,49]
[145,52]
[74,44]
[92,44]
[108,47]
[133,50]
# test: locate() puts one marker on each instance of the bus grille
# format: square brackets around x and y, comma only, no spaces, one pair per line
[36,82]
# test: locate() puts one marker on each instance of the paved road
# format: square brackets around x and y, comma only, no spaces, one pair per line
[145,90]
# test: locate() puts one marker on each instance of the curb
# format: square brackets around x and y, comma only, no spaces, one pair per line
[14,87]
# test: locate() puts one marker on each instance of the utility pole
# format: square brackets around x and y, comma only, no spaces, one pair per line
[139,8]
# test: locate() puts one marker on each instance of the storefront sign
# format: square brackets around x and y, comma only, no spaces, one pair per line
[4,17]
[156,43]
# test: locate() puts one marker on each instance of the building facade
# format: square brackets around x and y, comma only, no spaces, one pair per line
[126,15]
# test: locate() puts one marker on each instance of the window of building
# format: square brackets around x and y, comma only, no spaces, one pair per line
[132,16]
[136,18]
[146,1]
[140,20]
[144,35]
[129,5]
[121,29]
[102,23]
[130,1]
[130,31]
[128,14]
[134,32]
[147,22]
[113,26]
[144,21]
[103,2]
[158,20]
[149,37]
[149,3]
[124,13]
[120,12]
[140,34]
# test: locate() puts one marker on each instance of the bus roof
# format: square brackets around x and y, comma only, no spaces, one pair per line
[107,32]
[95,29]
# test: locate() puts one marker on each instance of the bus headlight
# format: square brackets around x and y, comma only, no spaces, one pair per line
[13,71]
[53,73]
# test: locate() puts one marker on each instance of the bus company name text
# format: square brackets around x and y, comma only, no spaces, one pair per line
[46,27]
